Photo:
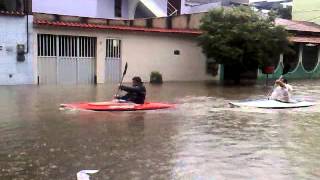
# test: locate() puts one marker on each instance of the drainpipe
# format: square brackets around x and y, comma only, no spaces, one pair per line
[26,11]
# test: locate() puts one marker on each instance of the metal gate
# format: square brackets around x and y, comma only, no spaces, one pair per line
[113,60]
[66,59]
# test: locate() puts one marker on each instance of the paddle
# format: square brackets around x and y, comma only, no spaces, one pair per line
[123,74]
[285,70]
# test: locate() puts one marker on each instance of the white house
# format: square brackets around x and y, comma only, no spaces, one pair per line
[89,41]
[125,9]
[15,42]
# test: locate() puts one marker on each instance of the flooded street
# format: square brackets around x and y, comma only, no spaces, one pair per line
[201,139]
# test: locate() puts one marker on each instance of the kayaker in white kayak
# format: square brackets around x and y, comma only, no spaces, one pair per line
[136,93]
[283,91]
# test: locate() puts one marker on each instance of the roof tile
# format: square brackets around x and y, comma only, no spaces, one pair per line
[298,25]
[124,28]
[303,39]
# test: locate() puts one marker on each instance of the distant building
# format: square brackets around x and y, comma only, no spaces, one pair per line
[305,62]
[89,41]
[306,10]
[50,42]
[125,9]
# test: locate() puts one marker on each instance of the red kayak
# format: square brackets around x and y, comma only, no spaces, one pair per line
[115,106]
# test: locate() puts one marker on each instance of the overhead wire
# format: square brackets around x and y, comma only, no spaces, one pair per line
[306,11]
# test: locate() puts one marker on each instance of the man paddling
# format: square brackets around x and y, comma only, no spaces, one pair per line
[283,91]
[136,93]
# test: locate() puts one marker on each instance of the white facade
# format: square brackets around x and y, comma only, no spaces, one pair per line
[13,31]
[88,8]
[187,9]
[146,52]
[98,8]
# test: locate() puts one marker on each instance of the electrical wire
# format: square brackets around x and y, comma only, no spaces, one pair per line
[306,11]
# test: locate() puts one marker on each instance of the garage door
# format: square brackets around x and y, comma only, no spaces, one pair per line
[113,60]
[66,59]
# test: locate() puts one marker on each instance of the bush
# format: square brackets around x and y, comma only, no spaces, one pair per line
[155,77]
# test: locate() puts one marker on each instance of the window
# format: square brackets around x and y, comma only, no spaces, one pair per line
[113,48]
[117,8]
[66,46]
[12,5]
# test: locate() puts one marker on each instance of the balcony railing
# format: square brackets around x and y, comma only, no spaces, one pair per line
[172,10]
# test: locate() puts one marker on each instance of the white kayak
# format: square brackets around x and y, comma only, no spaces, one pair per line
[271,104]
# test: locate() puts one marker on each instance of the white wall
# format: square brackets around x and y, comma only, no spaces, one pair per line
[12,32]
[158,7]
[132,4]
[105,8]
[197,9]
[86,8]
[147,52]
[95,8]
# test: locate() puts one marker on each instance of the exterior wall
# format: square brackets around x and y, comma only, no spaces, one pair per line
[85,8]
[155,52]
[11,71]
[147,52]
[14,32]
[241,1]
[157,7]
[105,9]
[246,1]
[96,8]
[132,8]
[306,10]
[200,8]
[125,9]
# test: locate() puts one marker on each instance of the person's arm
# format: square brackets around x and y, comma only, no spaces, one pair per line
[125,97]
[289,87]
[136,89]
[280,83]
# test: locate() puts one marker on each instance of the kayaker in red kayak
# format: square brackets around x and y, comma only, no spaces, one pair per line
[283,91]
[135,94]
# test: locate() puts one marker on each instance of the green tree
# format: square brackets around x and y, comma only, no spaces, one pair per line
[241,38]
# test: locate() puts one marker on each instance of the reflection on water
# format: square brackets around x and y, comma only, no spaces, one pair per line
[202,138]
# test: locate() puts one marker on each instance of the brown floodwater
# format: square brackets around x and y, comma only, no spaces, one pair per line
[201,139]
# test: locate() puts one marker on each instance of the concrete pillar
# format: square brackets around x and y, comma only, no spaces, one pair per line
[280,61]
[101,55]
[300,54]
[34,41]
[318,55]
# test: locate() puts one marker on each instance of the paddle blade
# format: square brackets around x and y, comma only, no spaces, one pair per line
[125,69]
[286,69]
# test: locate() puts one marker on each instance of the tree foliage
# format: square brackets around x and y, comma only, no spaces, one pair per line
[240,37]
